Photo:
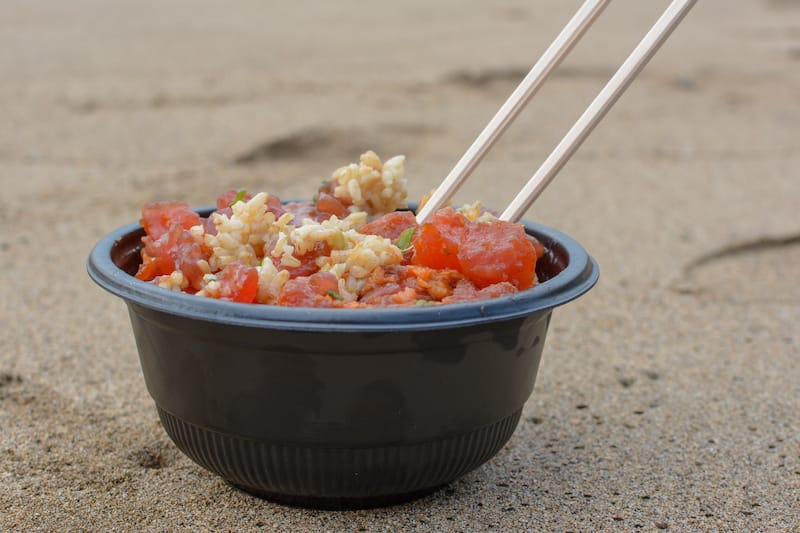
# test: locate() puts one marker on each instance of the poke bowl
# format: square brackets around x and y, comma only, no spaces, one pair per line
[335,407]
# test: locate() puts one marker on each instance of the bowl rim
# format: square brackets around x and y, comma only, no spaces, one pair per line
[580,275]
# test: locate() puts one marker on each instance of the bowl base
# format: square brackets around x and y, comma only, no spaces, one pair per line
[338,503]
[323,477]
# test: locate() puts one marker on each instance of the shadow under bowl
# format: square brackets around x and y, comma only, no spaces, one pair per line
[340,408]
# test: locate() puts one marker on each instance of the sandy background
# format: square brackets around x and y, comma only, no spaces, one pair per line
[668,397]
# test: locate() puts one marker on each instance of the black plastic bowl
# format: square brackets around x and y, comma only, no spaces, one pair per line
[340,408]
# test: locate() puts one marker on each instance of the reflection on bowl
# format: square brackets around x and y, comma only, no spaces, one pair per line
[340,408]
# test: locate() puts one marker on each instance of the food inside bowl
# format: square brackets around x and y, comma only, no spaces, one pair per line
[352,246]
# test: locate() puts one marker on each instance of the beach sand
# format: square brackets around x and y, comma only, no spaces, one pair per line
[667,398]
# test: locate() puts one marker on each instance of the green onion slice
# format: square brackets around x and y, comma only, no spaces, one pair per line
[404,240]
[333,294]
[240,194]
[339,241]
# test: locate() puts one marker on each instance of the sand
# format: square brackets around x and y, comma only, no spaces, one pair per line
[668,397]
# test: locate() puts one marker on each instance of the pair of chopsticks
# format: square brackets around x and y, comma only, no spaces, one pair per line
[602,103]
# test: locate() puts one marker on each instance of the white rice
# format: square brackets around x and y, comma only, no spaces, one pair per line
[254,237]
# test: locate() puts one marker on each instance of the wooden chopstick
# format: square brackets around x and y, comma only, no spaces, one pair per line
[551,58]
[598,109]
[602,103]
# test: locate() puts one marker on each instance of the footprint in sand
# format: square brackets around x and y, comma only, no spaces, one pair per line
[340,144]
[764,270]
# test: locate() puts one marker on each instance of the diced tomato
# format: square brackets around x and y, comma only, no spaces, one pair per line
[174,250]
[496,252]
[275,206]
[436,242]
[297,293]
[331,205]
[158,217]
[322,282]
[301,210]
[325,207]
[317,290]
[486,253]
[390,225]
[238,283]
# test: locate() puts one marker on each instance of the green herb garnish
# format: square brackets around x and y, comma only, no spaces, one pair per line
[404,240]
[422,303]
[240,194]
[339,241]
[333,294]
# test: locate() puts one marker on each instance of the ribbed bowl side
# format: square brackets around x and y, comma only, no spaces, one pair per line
[338,478]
